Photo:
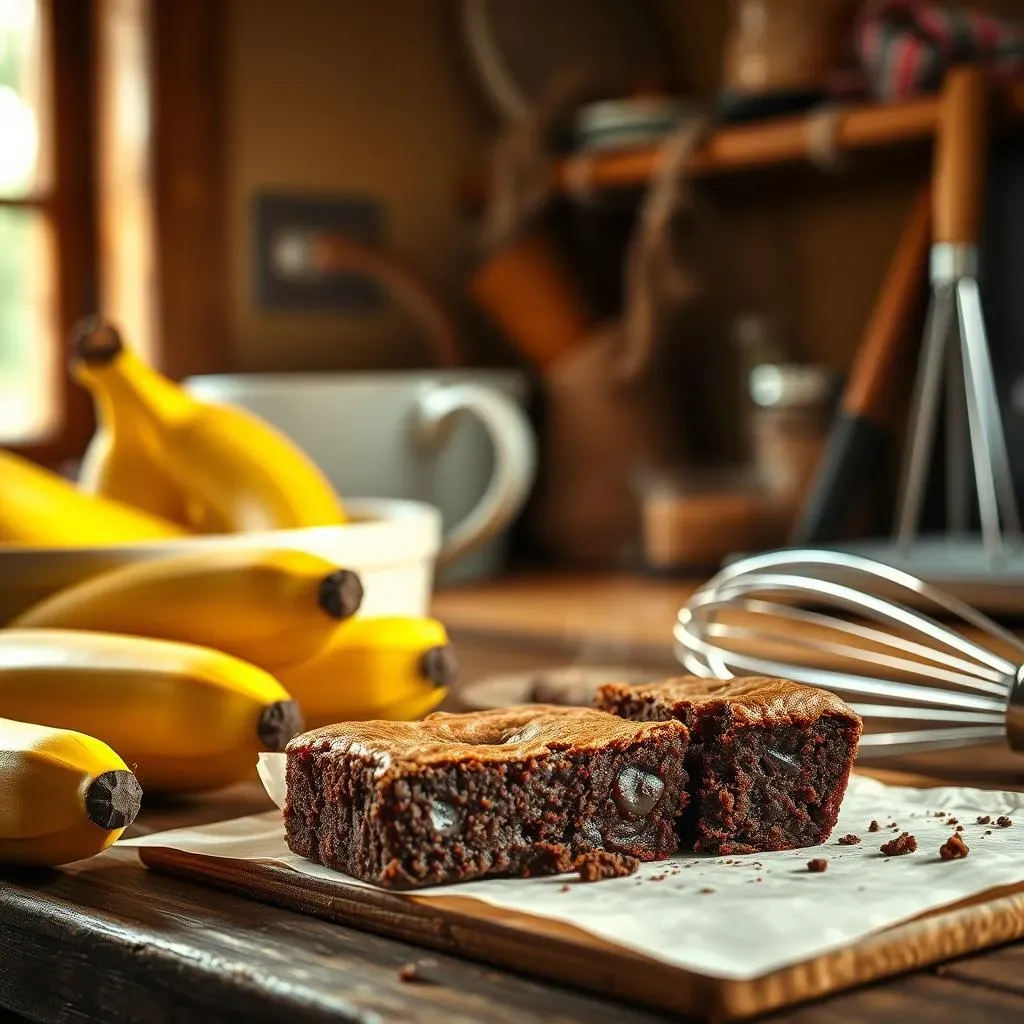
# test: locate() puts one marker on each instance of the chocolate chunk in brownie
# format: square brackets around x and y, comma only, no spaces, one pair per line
[600,864]
[768,760]
[904,843]
[954,848]
[516,791]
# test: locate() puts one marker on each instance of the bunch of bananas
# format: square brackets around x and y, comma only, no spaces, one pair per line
[186,664]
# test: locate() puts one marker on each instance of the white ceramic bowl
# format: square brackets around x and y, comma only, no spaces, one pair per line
[391,544]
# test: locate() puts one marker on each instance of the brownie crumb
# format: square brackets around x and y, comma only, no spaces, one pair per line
[988,832]
[903,843]
[707,890]
[658,878]
[984,819]
[551,859]
[939,814]
[1003,822]
[953,821]
[817,865]
[874,827]
[959,828]
[849,840]
[892,824]
[600,864]
[954,848]
[564,888]
[410,973]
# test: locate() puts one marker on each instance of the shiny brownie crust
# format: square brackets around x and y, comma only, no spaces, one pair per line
[768,761]
[518,792]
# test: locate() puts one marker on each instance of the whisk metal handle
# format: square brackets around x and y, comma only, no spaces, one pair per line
[1015,712]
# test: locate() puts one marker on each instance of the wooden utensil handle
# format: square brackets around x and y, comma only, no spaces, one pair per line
[867,393]
[858,439]
[961,157]
[529,292]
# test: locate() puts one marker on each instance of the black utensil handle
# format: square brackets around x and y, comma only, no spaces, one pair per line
[856,448]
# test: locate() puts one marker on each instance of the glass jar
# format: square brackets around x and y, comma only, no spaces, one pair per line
[793,407]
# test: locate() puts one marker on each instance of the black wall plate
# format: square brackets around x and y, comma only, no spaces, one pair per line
[281,279]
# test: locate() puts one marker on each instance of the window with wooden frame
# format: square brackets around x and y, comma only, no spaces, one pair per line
[47,252]
[111,198]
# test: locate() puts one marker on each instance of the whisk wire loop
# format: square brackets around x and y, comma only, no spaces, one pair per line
[820,617]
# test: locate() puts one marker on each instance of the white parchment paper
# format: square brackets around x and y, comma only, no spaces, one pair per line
[729,917]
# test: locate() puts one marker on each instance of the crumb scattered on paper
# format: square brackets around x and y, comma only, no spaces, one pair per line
[904,843]
[954,848]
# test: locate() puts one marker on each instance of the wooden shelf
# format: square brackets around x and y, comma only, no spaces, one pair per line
[778,141]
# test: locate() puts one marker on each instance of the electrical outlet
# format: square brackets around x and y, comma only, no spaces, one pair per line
[293,268]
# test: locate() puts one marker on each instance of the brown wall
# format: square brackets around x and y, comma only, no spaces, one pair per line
[352,96]
[376,99]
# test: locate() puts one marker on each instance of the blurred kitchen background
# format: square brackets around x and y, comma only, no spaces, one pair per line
[673,227]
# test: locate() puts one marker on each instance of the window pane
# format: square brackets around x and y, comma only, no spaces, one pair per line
[27,328]
[23,124]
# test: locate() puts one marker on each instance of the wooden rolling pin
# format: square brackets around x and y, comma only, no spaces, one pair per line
[857,442]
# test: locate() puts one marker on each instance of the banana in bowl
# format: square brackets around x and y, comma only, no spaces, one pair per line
[391,545]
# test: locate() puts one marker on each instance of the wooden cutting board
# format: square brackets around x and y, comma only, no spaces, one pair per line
[563,953]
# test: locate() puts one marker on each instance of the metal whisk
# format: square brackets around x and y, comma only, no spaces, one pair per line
[844,623]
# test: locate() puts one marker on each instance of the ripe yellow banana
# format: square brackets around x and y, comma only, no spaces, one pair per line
[66,796]
[396,668]
[269,607]
[233,472]
[186,718]
[116,464]
[40,508]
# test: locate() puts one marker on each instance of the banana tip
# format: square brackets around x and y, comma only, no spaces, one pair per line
[341,594]
[278,723]
[113,799]
[95,342]
[440,665]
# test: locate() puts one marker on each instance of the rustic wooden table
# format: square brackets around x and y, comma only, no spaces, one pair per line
[109,941]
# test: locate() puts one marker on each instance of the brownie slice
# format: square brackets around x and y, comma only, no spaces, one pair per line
[768,759]
[516,791]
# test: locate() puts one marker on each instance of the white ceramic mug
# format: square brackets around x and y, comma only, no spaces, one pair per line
[458,439]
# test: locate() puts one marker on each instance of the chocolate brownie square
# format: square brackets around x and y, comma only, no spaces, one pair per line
[516,791]
[768,759]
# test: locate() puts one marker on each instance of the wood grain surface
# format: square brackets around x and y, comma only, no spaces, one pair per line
[554,950]
[111,942]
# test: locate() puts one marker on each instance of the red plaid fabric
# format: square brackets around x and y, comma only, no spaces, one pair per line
[905,46]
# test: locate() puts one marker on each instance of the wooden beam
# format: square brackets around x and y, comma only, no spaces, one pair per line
[188,53]
[778,141]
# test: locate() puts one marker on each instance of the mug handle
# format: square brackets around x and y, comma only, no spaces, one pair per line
[515,458]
